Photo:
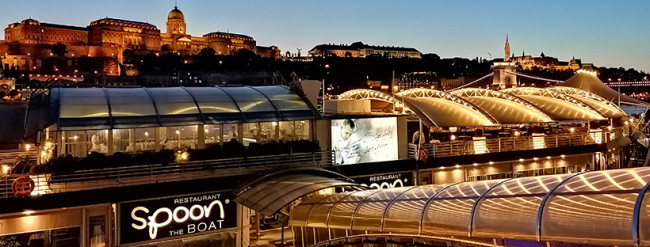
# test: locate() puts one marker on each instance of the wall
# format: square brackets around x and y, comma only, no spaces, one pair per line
[508,169]
[448,176]
[322,131]
[402,138]
[40,221]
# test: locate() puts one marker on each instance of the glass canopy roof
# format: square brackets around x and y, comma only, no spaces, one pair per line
[103,108]
[472,107]
[598,207]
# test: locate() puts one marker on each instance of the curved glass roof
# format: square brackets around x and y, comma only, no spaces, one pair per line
[444,109]
[445,113]
[506,109]
[471,107]
[368,94]
[102,108]
[557,105]
[598,207]
[602,105]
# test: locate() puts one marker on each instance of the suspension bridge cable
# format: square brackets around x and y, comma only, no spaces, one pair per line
[534,77]
[475,81]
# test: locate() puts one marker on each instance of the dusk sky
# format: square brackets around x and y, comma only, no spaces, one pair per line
[606,33]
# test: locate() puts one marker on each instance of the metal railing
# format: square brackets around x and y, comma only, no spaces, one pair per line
[504,144]
[8,157]
[159,173]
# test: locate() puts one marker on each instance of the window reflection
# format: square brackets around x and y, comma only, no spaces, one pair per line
[83,142]
[212,133]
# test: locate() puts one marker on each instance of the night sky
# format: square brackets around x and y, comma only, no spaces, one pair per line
[608,33]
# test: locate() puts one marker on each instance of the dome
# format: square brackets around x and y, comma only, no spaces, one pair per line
[175,14]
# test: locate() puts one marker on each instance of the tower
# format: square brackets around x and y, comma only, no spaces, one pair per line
[504,72]
[176,22]
[506,56]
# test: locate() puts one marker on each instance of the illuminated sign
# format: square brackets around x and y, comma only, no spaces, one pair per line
[176,216]
[364,140]
[386,181]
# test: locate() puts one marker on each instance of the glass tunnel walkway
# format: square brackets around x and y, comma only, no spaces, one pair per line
[598,207]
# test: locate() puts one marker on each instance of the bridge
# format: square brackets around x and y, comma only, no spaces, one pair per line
[628,84]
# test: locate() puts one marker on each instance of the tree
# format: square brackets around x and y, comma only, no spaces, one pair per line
[207,52]
[59,50]
[246,53]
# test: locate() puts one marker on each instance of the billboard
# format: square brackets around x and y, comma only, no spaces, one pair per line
[359,140]
[176,216]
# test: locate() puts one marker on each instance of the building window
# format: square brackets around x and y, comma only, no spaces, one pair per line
[180,137]
[212,133]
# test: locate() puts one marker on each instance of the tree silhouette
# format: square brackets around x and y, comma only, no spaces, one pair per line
[207,52]
[59,50]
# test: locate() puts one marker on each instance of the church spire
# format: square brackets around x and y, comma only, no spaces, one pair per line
[506,56]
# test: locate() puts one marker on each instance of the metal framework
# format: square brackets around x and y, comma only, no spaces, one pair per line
[599,207]
[430,93]
[372,95]
[368,94]
[571,91]
[480,92]
[534,91]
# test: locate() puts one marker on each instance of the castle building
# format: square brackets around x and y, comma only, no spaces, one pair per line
[124,34]
[31,31]
[359,49]
[543,62]
[177,39]
[29,41]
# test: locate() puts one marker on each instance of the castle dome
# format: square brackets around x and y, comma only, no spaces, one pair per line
[175,14]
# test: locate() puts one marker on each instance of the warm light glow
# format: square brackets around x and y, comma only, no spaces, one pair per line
[5,169]
[521,160]
[146,133]
[475,164]
[572,129]
[491,162]
[28,212]
[587,72]
[563,156]
[480,146]
[538,141]
[27,147]
[442,167]
[548,157]
[457,166]
[535,158]
[453,137]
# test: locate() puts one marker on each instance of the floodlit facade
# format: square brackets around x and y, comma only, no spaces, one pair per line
[599,207]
